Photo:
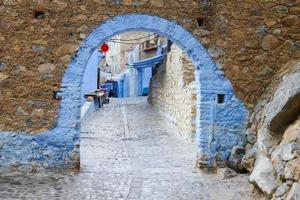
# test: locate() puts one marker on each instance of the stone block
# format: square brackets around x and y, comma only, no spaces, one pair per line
[226,173]
[282,190]
[294,193]
[292,170]
[46,68]
[263,175]
[270,42]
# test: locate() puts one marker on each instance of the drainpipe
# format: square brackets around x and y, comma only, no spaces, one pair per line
[98,78]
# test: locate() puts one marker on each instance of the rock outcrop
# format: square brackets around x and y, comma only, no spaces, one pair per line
[276,121]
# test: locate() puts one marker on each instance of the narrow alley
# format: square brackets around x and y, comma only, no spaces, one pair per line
[129,151]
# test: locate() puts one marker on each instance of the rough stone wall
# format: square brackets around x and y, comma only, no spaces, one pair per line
[173,91]
[272,152]
[244,51]
[34,52]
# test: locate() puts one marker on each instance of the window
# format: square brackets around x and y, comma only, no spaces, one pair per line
[39,14]
[221,98]
[200,21]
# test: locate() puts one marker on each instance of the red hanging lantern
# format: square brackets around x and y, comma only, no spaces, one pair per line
[104,48]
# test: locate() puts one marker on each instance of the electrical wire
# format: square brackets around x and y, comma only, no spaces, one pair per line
[281,38]
[127,50]
[140,50]
[134,38]
[133,43]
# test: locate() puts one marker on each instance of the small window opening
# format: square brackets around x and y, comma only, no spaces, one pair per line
[221,98]
[39,14]
[200,21]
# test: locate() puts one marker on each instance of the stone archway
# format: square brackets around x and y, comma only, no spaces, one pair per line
[221,117]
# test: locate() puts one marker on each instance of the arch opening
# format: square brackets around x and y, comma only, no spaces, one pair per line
[220,126]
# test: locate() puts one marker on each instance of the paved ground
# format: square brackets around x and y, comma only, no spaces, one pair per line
[128,151]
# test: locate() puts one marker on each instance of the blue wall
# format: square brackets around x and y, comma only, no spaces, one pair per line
[144,77]
[89,80]
[126,83]
[147,75]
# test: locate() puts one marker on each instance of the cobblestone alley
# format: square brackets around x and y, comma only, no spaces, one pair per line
[128,152]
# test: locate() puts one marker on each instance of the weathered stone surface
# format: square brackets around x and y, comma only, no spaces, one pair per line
[294,193]
[2,66]
[19,69]
[237,150]
[248,160]
[292,170]
[82,36]
[158,3]
[264,141]
[235,162]
[9,2]
[3,76]
[226,173]
[292,133]
[263,175]
[281,190]
[65,59]
[270,42]
[287,152]
[40,42]
[292,20]
[20,111]
[295,10]
[37,112]
[46,68]
[269,22]
[289,182]
[251,138]
[282,110]
[235,159]
[38,48]
[66,49]
[215,52]
[277,125]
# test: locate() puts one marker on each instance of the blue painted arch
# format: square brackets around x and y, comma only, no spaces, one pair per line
[220,126]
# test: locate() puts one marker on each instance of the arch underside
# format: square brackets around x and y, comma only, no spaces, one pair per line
[220,126]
